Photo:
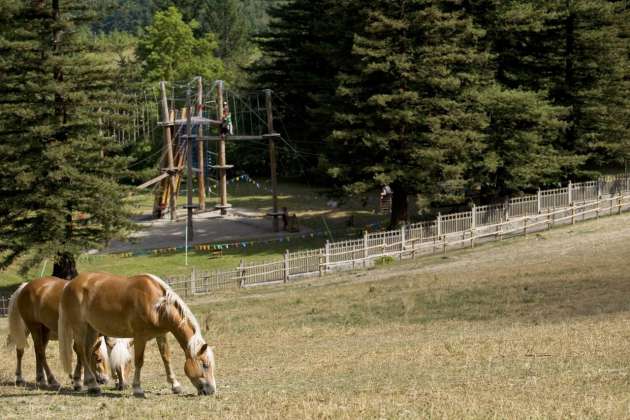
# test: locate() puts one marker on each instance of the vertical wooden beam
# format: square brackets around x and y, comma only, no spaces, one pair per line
[189,172]
[221,164]
[168,144]
[272,161]
[201,185]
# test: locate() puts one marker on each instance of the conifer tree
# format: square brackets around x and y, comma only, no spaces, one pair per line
[576,53]
[307,44]
[409,120]
[58,187]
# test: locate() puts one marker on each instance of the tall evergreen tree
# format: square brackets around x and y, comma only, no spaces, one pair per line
[575,52]
[409,121]
[58,188]
[307,44]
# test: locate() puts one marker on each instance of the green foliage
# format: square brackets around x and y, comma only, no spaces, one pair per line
[408,120]
[59,180]
[171,52]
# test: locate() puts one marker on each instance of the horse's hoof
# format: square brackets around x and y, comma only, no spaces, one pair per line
[41,384]
[94,391]
[20,382]
[54,385]
[78,387]
[177,389]
[138,393]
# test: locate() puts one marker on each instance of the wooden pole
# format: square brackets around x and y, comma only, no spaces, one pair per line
[200,149]
[272,161]
[168,144]
[189,174]
[223,205]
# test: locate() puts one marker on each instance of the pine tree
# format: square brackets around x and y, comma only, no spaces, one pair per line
[409,120]
[307,44]
[58,184]
[575,52]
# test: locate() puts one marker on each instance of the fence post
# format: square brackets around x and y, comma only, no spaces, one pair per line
[402,241]
[599,188]
[286,265]
[620,202]
[570,192]
[525,226]
[327,255]
[321,263]
[439,225]
[365,248]
[473,225]
[444,244]
[193,278]
[572,213]
[539,200]
[241,274]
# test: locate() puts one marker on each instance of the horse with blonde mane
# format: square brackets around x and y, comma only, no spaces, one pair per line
[120,359]
[141,307]
[34,309]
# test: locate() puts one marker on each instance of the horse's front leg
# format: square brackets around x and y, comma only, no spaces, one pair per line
[139,344]
[165,352]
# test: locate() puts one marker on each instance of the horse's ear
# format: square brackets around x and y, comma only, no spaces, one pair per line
[202,350]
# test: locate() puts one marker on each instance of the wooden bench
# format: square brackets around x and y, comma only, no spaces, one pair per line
[215,253]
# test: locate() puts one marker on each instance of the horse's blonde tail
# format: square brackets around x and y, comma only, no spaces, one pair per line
[17,328]
[65,340]
[120,355]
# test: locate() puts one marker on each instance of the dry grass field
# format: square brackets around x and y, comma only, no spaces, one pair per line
[533,327]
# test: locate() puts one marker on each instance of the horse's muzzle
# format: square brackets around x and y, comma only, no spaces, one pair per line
[206,389]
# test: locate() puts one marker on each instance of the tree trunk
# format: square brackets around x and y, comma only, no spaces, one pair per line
[399,207]
[65,266]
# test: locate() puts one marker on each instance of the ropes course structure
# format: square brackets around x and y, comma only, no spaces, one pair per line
[196,118]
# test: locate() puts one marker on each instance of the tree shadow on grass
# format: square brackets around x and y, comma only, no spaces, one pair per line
[526,301]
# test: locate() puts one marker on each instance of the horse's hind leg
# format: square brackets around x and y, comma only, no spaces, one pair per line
[52,382]
[19,380]
[165,352]
[86,347]
[76,377]
[38,346]
[139,345]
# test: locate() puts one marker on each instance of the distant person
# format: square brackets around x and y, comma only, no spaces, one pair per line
[285,218]
[226,124]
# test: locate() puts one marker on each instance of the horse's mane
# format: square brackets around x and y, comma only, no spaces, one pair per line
[172,299]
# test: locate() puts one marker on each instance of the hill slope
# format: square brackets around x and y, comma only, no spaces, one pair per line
[534,327]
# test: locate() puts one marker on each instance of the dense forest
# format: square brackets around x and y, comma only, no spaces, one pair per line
[446,101]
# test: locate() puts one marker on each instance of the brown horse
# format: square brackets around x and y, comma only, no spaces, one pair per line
[34,310]
[140,307]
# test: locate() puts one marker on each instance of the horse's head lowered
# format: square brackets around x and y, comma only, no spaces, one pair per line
[200,367]
[101,361]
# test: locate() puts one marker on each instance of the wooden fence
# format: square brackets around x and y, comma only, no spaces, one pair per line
[517,216]
[4,305]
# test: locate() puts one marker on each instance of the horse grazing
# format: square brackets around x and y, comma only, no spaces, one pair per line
[34,310]
[120,359]
[140,307]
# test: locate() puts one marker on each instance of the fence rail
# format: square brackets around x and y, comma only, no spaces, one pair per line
[517,216]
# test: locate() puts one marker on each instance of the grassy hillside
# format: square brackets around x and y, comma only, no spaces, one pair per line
[534,327]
